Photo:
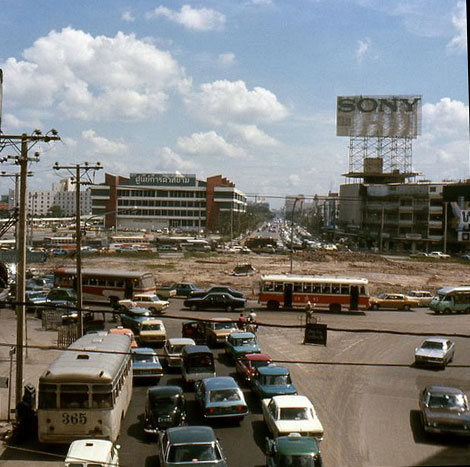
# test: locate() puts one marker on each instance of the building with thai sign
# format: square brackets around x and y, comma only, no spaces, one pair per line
[160,200]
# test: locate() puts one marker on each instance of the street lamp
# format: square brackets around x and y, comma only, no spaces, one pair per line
[292,234]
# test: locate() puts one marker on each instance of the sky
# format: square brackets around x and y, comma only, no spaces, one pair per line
[246,89]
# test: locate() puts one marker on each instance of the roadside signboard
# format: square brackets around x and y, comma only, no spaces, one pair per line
[315,333]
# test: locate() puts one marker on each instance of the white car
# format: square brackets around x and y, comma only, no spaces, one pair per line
[423,296]
[173,350]
[152,332]
[291,414]
[439,255]
[435,351]
[150,301]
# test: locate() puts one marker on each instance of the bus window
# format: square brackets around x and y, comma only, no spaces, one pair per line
[268,287]
[297,287]
[74,396]
[279,287]
[344,289]
[335,289]
[362,290]
[101,400]
[307,288]
[316,288]
[48,396]
[326,288]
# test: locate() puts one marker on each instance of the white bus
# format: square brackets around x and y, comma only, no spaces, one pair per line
[86,391]
[451,299]
[296,290]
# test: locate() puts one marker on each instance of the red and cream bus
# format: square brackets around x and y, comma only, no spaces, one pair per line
[105,284]
[294,291]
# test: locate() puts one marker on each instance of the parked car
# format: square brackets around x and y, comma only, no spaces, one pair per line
[419,254]
[248,365]
[222,301]
[66,294]
[219,289]
[197,363]
[145,363]
[394,301]
[435,351]
[126,332]
[149,301]
[35,299]
[92,453]
[173,349]
[293,449]
[217,331]
[241,343]
[185,289]
[190,445]
[438,255]
[291,414]
[132,318]
[444,410]
[423,296]
[221,397]
[273,381]
[152,332]
[165,407]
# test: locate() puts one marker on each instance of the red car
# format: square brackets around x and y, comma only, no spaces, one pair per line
[248,365]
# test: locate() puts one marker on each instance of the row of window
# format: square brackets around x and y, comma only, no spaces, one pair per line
[83,396]
[168,204]
[161,212]
[160,194]
[299,287]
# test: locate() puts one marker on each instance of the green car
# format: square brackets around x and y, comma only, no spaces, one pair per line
[293,450]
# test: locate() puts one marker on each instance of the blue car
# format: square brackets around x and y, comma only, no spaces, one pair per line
[273,381]
[145,363]
[239,344]
[132,318]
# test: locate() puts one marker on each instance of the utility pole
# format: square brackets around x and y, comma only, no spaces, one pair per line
[25,142]
[78,228]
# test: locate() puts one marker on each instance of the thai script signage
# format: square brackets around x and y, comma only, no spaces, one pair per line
[315,333]
[374,116]
[463,229]
[162,179]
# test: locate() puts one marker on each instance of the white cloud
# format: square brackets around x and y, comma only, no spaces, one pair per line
[170,160]
[128,16]
[363,46]
[253,135]
[209,144]
[459,20]
[196,19]
[447,117]
[262,2]
[12,122]
[230,101]
[98,145]
[95,78]
[294,180]
[226,59]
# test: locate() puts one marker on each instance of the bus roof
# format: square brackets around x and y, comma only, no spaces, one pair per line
[313,279]
[102,273]
[77,365]
[454,289]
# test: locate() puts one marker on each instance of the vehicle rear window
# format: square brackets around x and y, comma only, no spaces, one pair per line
[223,395]
[194,453]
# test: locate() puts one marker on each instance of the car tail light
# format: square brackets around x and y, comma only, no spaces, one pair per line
[211,410]
[241,408]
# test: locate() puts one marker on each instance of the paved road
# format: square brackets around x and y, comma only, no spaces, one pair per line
[369,412]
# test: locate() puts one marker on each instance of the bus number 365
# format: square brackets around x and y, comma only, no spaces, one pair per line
[74,418]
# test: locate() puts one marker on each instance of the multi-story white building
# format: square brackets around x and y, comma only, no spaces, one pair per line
[62,196]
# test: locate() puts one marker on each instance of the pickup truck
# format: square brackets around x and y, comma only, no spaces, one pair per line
[166,291]
[212,332]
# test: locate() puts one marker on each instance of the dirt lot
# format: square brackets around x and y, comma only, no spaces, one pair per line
[391,274]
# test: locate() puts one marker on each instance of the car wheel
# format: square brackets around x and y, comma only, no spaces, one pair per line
[447,311]
[193,308]
[154,311]
[406,307]
[273,305]
[229,308]
[467,310]
[375,306]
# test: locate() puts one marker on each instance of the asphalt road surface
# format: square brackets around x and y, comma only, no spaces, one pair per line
[362,384]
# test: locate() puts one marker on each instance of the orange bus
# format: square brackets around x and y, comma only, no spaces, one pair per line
[294,291]
[103,284]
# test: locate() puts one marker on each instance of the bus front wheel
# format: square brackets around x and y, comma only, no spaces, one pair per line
[335,307]
[273,305]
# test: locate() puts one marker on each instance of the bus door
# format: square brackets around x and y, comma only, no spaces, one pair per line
[128,288]
[287,295]
[354,297]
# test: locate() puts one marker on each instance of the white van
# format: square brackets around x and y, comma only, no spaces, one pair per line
[92,453]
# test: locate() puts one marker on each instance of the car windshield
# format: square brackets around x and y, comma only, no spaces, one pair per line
[151,327]
[294,413]
[276,379]
[223,395]
[260,363]
[176,348]
[382,295]
[194,453]
[432,345]
[143,358]
[288,460]
[35,295]
[449,401]
[244,341]
[223,326]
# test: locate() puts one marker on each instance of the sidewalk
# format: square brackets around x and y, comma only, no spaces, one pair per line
[35,363]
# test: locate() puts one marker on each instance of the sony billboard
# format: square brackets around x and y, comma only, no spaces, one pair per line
[385,116]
